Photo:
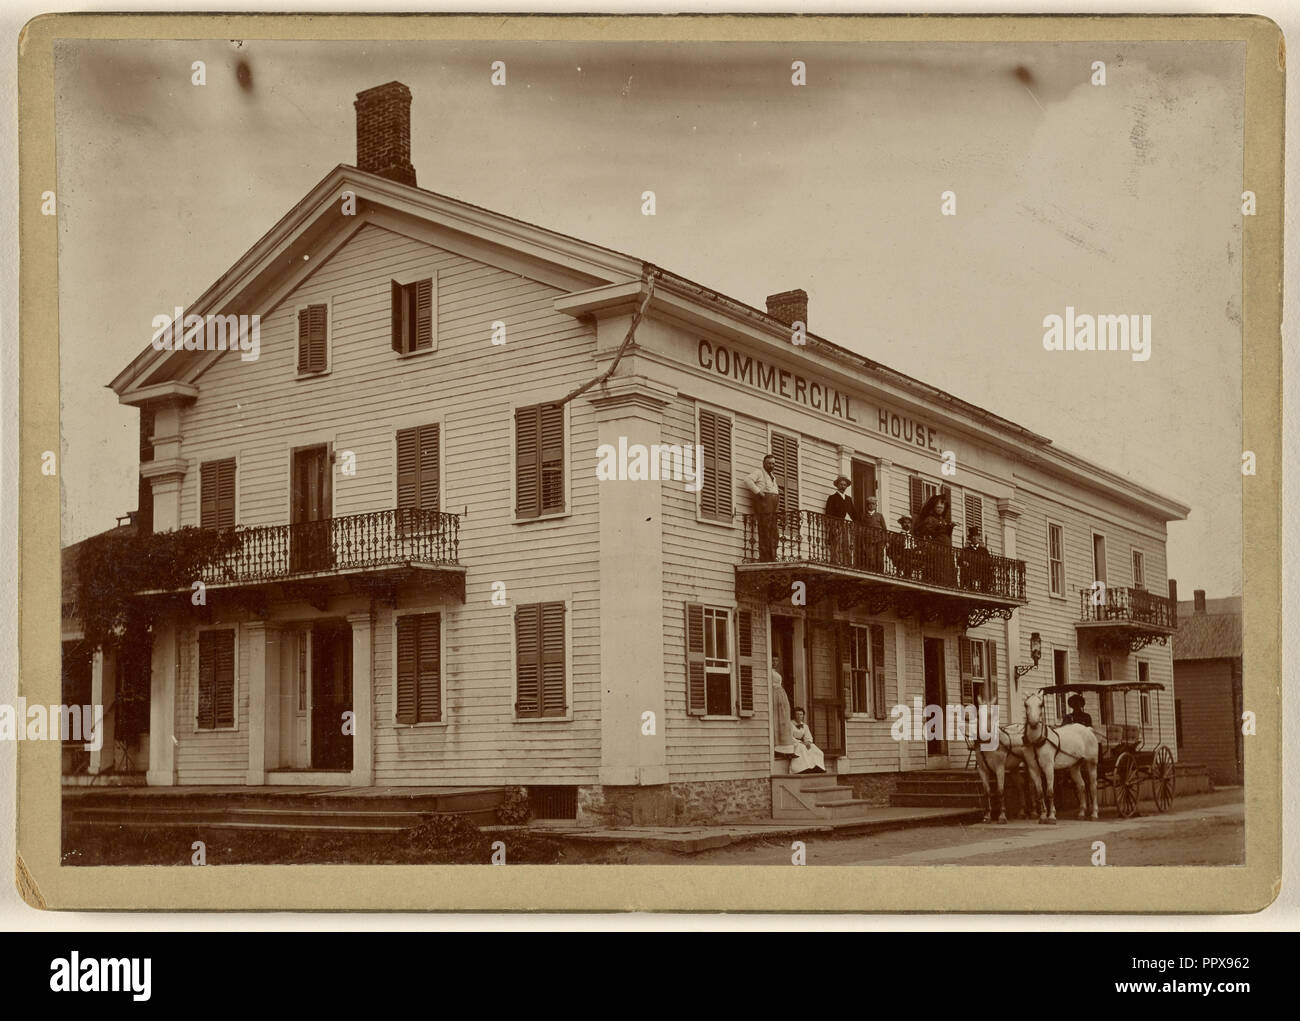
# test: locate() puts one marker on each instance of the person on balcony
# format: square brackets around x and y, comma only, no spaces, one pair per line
[871,534]
[976,561]
[767,498]
[902,547]
[934,524]
[838,510]
[808,758]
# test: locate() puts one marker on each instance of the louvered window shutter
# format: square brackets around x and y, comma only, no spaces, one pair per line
[554,702]
[423,315]
[407,667]
[878,671]
[552,458]
[974,512]
[722,463]
[745,649]
[208,495]
[708,465]
[786,449]
[916,495]
[430,468]
[429,668]
[991,657]
[311,338]
[304,340]
[207,681]
[408,468]
[527,462]
[224,678]
[964,658]
[529,658]
[399,318]
[217,494]
[695,691]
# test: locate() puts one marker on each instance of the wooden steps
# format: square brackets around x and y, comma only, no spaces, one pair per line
[819,796]
[946,788]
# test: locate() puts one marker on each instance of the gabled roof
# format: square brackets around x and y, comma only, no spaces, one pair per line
[594,275]
[1214,634]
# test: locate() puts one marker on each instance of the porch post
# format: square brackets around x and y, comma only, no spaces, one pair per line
[103,692]
[164,676]
[363,766]
[263,677]
[1009,515]
[629,410]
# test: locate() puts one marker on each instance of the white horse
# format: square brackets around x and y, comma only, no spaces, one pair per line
[1074,746]
[994,765]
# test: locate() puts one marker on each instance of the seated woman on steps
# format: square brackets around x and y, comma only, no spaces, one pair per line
[808,757]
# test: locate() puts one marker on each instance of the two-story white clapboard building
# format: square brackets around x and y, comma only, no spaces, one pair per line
[433,586]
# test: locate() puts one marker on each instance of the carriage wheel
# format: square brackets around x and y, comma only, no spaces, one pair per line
[1162,778]
[1125,784]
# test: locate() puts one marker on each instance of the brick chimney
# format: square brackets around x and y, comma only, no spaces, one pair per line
[1198,600]
[384,132]
[789,306]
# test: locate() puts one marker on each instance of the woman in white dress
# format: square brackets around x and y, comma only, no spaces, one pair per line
[781,739]
[807,756]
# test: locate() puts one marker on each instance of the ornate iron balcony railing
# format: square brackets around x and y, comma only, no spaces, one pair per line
[377,539]
[1127,606]
[810,537]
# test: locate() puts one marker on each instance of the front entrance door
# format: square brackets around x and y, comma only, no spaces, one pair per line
[935,689]
[331,696]
[310,548]
[825,711]
[783,652]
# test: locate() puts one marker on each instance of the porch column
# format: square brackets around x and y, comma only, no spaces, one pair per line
[629,410]
[166,472]
[164,675]
[103,692]
[363,735]
[263,682]
[1009,515]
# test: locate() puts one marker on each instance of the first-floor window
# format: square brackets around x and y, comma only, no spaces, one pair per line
[719,674]
[978,660]
[216,708]
[541,684]
[419,668]
[867,669]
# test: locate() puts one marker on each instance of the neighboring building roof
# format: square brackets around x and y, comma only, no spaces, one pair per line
[1214,634]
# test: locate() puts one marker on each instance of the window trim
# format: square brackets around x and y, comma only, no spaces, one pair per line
[533,598]
[732,610]
[405,279]
[700,519]
[234,627]
[329,339]
[198,484]
[417,611]
[1064,583]
[869,712]
[515,519]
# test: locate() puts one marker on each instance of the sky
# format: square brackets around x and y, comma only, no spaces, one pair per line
[1121,198]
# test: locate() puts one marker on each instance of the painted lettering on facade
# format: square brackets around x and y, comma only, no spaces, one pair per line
[793,387]
[900,427]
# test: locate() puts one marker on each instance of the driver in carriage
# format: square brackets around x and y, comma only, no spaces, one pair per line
[1076,713]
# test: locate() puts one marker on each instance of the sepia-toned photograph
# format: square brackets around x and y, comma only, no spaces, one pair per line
[688,453]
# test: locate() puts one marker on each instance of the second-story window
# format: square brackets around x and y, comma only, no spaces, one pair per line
[786,451]
[715,466]
[217,494]
[1139,570]
[419,474]
[1056,559]
[539,460]
[313,338]
[413,316]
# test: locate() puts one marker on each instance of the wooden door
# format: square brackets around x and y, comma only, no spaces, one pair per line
[864,486]
[825,708]
[331,696]
[310,548]
[935,688]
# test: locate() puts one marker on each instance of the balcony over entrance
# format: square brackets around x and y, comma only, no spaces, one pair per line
[1125,619]
[878,569]
[370,552]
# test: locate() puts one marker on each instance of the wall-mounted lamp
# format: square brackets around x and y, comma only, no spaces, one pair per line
[1035,653]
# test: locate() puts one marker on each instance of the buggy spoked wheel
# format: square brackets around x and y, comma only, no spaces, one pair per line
[1125,784]
[1162,778]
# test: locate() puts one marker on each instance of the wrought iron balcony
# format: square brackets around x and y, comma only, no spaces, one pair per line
[377,539]
[1126,618]
[882,568]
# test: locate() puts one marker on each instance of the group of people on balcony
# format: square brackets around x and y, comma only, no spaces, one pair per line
[922,552]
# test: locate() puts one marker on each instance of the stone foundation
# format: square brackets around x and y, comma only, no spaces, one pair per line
[874,788]
[679,804]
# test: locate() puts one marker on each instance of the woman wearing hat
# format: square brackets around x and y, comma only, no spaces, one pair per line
[1076,714]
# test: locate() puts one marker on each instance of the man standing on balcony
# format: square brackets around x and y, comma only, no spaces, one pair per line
[838,508]
[767,497]
[871,538]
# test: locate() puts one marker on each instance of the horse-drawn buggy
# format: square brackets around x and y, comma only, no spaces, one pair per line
[1115,752]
